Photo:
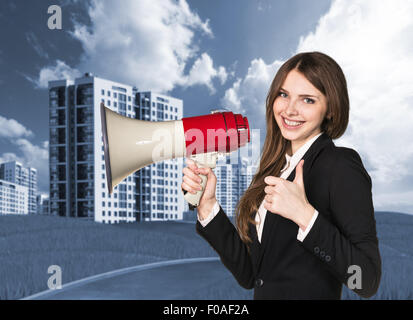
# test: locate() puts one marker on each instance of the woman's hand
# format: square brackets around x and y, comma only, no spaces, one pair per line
[288,199]
[192,183]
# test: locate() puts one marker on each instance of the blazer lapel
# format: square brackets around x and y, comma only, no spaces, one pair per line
[271,219]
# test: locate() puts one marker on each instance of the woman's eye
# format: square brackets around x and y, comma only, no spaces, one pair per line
[308,100]
[282,94]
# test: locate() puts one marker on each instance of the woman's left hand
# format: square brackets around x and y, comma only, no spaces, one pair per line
[288,199]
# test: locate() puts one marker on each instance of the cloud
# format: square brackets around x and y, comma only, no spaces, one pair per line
[145,43]
[203,72]
[60,70]
[248,95]
[34,42]
[10,128]
[371,40]
[34,156]
[28,154]
[9,156]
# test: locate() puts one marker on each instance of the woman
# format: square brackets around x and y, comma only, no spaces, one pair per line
[305,225]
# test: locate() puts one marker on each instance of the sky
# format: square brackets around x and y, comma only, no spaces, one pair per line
[217,54]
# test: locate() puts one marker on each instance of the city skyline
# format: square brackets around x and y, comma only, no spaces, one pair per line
[224,56]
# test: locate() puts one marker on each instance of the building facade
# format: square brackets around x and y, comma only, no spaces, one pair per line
[158,186]
[42,204]
[15,172]
[78,186]
[14,198]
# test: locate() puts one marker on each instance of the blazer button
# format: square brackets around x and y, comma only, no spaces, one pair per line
[322,254]
[316,250]
[259,283]
[328,258]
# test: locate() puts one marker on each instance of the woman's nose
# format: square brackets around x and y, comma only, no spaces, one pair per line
[291,108]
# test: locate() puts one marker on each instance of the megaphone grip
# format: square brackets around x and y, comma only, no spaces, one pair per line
[194,199]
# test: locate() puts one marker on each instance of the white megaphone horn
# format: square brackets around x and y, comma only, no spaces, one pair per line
[131,144]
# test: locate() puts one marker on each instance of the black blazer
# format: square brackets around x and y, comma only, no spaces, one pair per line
[344,234]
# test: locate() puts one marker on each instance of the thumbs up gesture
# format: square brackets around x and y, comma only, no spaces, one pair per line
[288,199]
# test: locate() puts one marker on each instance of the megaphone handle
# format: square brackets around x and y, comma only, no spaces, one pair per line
[202,161]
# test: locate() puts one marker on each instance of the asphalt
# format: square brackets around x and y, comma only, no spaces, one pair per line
[175,279]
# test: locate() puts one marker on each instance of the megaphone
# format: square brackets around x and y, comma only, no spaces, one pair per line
[131,144]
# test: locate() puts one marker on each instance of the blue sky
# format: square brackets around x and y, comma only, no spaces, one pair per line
[216,54]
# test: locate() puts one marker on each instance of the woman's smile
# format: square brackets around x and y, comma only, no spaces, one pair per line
[290,124]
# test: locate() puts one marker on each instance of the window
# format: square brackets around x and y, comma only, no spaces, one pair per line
[129,98]
[108,93]
[114,94]
[108,102]
[103,92]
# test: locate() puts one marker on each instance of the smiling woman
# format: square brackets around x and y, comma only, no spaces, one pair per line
[307,219]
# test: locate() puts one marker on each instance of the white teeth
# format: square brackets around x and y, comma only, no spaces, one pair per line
[292,123]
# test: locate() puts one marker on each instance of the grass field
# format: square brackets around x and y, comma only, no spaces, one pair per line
[30,244]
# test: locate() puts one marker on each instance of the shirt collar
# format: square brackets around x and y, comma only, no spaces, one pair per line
[296,157]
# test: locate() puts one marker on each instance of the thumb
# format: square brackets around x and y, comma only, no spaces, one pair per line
[205,171]
[299,178]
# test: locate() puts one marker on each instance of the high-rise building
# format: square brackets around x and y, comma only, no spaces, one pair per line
[233,179]
[14,198]
[15,172]
[158,186]
[77,169]
[42,204]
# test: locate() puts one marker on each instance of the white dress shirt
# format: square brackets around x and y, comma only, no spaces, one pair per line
[292,161]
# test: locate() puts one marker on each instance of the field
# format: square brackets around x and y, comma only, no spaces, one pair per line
[30,244]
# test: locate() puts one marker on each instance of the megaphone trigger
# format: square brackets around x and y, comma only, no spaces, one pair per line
[203,160]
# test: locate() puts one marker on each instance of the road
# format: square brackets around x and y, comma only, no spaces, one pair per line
[167,280]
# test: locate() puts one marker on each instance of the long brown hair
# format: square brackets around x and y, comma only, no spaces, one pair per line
[324,74]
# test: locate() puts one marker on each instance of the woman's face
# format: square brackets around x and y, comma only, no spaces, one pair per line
[299,109]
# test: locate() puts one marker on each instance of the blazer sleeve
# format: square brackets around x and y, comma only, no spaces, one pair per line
[223,237]
[349,236]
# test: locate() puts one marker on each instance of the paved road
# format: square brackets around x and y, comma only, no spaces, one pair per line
[163,280]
